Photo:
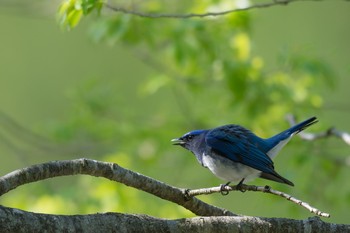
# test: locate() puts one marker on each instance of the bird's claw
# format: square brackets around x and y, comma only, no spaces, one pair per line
[223,189]
[240,187]
[267,188]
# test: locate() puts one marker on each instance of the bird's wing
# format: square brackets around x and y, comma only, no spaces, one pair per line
[235,145]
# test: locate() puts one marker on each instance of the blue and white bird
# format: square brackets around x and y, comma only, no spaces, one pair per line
[235,154]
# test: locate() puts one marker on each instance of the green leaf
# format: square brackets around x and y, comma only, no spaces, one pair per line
[74,18]
[70,12]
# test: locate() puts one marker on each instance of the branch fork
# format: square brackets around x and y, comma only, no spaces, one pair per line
[112,171]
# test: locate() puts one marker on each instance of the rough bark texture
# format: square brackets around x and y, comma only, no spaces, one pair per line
[111,171]
[220,220]
[14,220]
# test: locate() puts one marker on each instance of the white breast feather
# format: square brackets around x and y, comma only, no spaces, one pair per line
[228,170]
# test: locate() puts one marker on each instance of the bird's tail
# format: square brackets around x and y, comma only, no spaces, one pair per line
[276,177]
[301,126]
[278,141]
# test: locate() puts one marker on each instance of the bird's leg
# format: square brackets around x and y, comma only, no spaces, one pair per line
[239,186]
[223,191]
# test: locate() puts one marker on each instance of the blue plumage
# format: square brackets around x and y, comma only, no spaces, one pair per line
[234,153]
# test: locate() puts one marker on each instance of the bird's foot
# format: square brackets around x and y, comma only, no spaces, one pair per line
[223,189]
[240,187]
[267,188]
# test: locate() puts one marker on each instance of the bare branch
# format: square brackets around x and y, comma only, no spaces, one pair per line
[114,172]
[23,221]
[110,171]
[313,136]
[200,15]
[14,220]
[264,189]
[193,15]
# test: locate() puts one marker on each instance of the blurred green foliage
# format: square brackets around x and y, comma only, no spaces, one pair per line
[209,66]
[71,11]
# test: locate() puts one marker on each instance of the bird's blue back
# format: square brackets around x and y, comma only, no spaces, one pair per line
[239,145]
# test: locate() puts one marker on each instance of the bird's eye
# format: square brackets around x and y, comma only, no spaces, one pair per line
[189,137]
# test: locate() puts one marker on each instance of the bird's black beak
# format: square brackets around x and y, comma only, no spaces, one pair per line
[178,142]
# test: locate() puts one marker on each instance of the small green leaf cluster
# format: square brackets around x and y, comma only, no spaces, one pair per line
[70,12]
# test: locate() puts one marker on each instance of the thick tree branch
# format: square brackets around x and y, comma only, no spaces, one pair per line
[14,220]
[114,172]
[264,189]
[201,15]
[110,171]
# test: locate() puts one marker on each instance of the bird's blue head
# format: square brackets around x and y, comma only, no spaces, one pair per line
[190,140]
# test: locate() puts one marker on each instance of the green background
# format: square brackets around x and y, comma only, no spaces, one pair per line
[48,74]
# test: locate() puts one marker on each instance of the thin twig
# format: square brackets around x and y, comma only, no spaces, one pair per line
[200,15]
[264,189]
[193,15]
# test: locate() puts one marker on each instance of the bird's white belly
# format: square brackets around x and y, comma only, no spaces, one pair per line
[228,170]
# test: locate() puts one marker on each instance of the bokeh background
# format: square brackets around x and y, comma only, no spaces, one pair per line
[117,88]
